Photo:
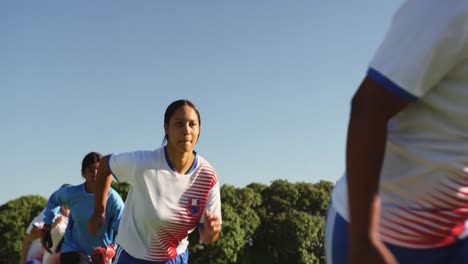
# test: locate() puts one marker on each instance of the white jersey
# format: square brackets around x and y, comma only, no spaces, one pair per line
[56,233]
[162,206]
[36,251]
[424,179]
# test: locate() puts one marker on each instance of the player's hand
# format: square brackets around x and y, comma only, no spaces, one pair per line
[211,224]
[211,228]
[95,222]
[57,221]
[371,253]
[103,255]
[46,238]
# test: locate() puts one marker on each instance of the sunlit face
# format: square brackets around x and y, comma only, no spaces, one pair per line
[90,172]
[183,129]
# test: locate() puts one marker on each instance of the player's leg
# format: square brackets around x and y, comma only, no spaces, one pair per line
[74,258]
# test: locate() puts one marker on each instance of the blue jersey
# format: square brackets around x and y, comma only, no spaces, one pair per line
[81,204]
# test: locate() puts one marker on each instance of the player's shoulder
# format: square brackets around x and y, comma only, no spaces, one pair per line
[113,192]
[137,155]
[204,163]
[71,190]
[205,168]
[433,11]
[149,153]
[114,195]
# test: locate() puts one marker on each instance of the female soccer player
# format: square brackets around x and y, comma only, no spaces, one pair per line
[173,190]
[78,244]
[405,190]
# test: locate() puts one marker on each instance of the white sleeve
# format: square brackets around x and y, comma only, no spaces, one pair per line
[28,230]
[123,166]
[426,40]
[37,222]
[213,204]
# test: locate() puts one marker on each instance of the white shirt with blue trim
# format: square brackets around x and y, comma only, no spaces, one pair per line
[162,206]
[424,179]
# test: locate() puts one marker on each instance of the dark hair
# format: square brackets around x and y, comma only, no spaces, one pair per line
[89,159]
[173,107]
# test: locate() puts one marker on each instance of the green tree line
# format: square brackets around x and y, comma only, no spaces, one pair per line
[278,223]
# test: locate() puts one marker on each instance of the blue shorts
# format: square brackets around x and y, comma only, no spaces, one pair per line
[122,257]
[336,246]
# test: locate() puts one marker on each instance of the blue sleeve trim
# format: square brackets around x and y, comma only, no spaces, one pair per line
[390,86]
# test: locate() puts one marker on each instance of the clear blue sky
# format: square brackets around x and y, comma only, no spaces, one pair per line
[272,80]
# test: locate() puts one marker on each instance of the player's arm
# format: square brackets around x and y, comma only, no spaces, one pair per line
[25,248]
[103,183]
[35,233]
[58,198]
[209,232]
[210,226]
[371,108]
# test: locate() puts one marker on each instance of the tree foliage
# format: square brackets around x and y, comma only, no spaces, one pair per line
[15,216]
[121,188]
[292,224]
[280,223]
